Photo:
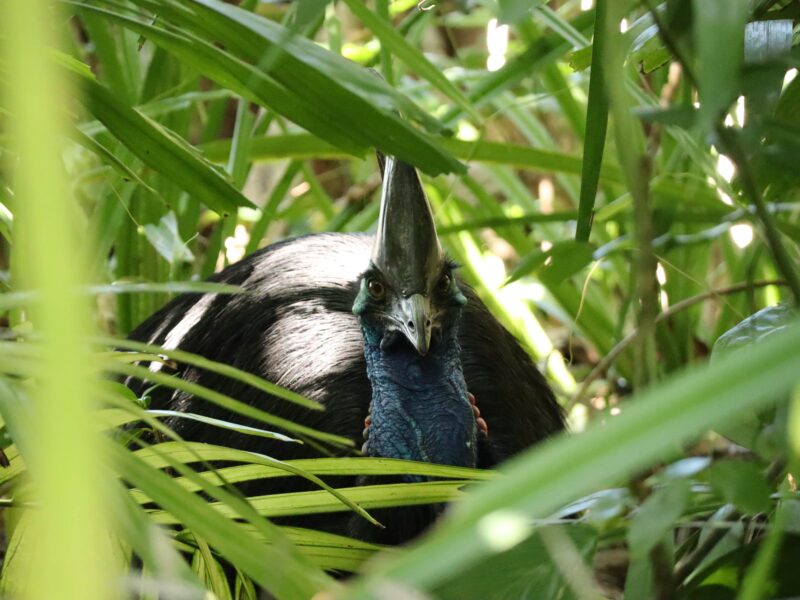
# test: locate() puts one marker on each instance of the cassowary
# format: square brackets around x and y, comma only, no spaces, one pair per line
[378,329]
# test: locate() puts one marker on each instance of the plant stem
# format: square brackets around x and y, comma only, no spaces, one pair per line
[732,147]
[623,344]
[636,168]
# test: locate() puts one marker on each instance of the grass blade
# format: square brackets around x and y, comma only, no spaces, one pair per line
[296,579]
[161,150]
[309,503]
[549,476]
[357,100]
[74,552]
[302,146]
[215,367]
[397,45]
[247,81]
[596,125]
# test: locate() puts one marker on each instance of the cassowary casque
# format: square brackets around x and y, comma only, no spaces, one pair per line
[381,333]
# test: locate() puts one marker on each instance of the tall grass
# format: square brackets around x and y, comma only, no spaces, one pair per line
[592,205]
[70,546]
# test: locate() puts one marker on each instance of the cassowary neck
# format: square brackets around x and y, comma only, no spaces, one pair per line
[420,409]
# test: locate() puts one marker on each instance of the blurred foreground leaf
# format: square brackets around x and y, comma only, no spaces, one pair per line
[544,478]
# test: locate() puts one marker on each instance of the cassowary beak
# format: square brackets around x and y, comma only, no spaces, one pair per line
[407,250]
[417,321]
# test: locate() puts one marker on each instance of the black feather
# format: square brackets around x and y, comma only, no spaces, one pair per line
[295,327]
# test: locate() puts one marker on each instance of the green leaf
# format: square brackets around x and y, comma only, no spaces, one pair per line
[171,287]
[656,517]
[24,298]
[168,459]
[750,429]
[257,466]
[161,150]
[528,570]
[210,570]
[237,427]
[307,13]
[511,11]
[501,222]
[599,507]
[563,260]
[755,329]
[638,579]
[521,156]
[793,425]
[224,401]
[786,111]
[301,53]
[6,222]
[680,116]
[653,55]
[248,81]
[167,241]
[581,59]
[686,467]
[215,367]
[765,42]
[18,560]
[109,157]
[329,551]
[415,60]
[301,146]
[719,38]
[552,474]
[596,126]
[742,484]
[150,542]
[296,578]
[545,51]
[351,96]
[321,501]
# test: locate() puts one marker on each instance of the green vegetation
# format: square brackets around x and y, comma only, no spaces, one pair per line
[619,181]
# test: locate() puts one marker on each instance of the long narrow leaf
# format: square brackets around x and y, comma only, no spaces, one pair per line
[415,60]
[263,460]
[545,478]
[295,579]
[161,151]
[301,146]
[240,77]
[596,125]
[188,452]
[224,401]
[351,95]
[215,367]
[369,496]
[544,52]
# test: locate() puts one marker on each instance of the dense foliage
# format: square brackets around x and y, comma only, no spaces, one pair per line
[619,181]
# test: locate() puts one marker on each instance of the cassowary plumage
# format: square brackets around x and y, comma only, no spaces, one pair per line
[374,327]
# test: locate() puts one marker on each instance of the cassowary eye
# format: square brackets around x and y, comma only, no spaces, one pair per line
[444,283]
[376,289]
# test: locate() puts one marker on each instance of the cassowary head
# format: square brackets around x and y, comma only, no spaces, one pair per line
[409,308]
[409,290]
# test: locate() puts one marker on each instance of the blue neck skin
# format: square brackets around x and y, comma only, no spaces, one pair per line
[420,409]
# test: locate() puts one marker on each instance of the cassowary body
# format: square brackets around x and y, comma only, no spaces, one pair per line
[365,325]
